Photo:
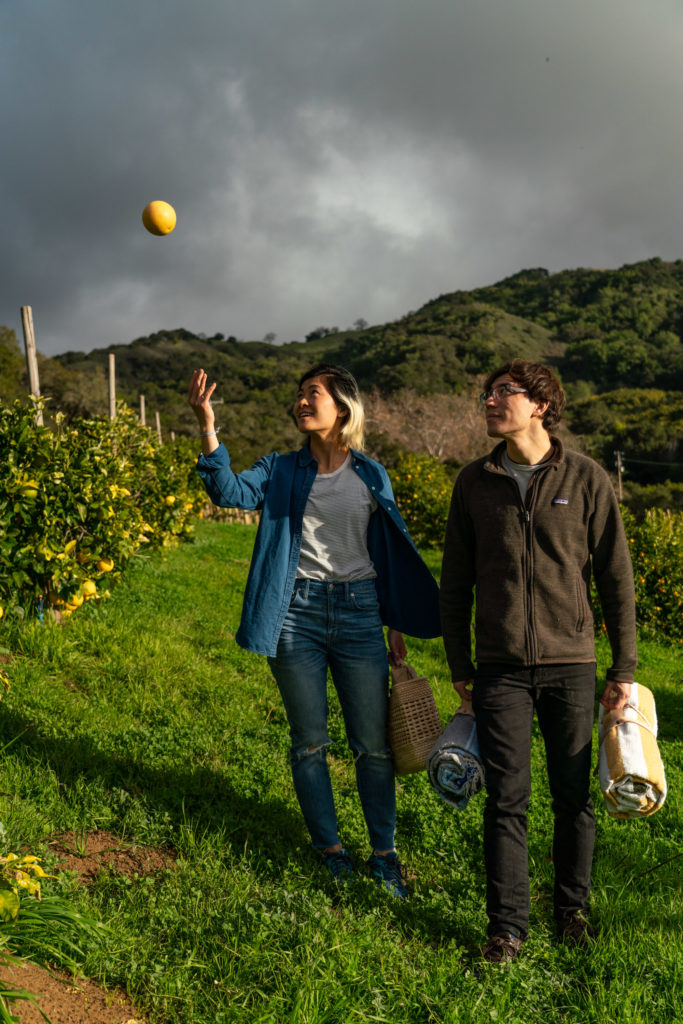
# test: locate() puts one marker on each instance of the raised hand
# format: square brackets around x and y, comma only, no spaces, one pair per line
[199,397]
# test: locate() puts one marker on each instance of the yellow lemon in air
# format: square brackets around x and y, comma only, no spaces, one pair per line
[159,218]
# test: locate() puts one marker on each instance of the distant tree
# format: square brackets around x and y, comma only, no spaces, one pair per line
[360,324]
[319,332]
[270,337]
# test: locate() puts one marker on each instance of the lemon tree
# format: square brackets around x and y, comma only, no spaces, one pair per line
[78,502]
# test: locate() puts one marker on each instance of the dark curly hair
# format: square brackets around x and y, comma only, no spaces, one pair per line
[541,384]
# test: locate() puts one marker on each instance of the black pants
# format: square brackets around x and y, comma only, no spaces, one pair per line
[505,697]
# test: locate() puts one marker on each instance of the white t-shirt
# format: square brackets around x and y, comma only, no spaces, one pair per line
[334,535]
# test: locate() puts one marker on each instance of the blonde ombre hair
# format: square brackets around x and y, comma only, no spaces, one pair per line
[344,390]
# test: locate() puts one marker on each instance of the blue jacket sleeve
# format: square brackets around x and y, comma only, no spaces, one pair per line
[234,490]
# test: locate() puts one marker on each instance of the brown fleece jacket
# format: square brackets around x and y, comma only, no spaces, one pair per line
[530,566]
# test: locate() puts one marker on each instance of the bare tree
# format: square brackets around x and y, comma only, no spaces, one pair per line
[445,426]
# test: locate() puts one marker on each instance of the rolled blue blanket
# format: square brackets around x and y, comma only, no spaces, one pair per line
[454,763]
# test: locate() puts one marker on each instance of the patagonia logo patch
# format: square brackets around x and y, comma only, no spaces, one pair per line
[560,501]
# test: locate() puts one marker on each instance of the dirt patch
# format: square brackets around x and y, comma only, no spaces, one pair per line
[87,855]
[66,1000]
[62,998]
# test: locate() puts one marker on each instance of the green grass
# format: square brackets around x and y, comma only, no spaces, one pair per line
[143,717]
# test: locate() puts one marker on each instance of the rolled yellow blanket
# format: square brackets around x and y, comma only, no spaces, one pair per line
[630,766]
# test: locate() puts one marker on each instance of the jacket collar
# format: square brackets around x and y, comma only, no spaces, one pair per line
[493,461]
[303,456]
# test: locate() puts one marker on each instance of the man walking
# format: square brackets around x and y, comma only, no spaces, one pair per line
[528,525]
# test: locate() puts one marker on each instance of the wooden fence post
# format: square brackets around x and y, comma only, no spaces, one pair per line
[143,419]
[158,428]
[31,358]
[620,466]
[112,386]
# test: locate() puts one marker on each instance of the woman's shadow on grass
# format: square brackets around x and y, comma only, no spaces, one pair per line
[243,816]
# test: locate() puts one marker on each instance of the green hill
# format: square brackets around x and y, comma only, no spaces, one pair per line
[608,333]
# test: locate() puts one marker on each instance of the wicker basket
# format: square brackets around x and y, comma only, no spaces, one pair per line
[414,723]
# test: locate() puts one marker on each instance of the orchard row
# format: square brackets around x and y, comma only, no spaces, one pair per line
[78,502]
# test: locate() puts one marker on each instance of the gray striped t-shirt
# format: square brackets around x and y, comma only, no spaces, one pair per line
[334,535]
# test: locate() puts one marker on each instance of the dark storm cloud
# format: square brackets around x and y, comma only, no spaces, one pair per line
[327,160]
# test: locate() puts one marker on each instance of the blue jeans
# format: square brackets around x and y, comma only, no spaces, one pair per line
[337,625]
[504,698]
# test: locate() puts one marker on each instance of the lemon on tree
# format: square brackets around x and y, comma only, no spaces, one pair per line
[29,489]
[105,565]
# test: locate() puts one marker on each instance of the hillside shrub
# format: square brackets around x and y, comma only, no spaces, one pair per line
[78,502]
[640,498]
[656,545]
[422,488]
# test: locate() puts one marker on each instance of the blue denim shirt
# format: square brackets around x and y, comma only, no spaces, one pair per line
[279,485]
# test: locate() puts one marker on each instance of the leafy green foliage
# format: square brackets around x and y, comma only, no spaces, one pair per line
[422,488]
[77,503]
[639,498]
[657,552]
[620,326]
[645,423]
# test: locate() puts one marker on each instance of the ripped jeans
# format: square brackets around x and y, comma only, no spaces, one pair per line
[337,625]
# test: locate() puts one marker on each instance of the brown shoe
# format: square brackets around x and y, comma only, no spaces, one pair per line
[576,929]
[501,949]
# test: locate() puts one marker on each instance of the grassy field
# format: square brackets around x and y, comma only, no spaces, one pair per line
[143,717]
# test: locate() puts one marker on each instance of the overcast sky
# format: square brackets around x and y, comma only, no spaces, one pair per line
[327,159]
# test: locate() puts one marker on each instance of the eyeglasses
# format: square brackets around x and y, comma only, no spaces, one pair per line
[502,391]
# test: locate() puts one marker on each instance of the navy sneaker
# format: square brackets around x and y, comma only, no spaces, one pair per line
[340,866]
[389,872]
